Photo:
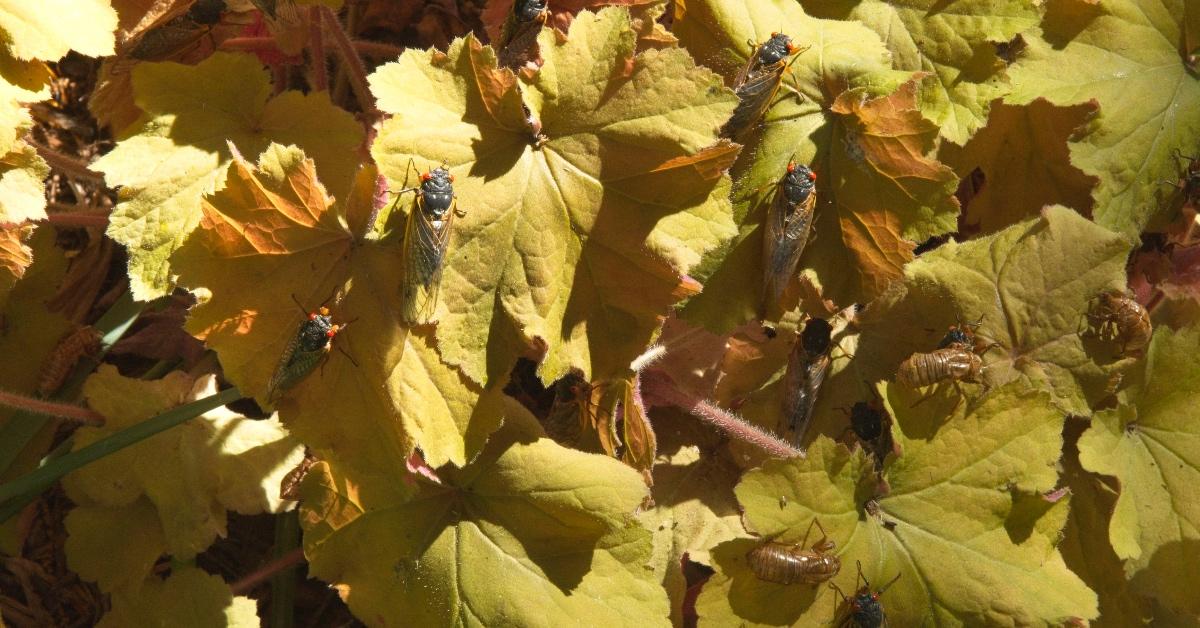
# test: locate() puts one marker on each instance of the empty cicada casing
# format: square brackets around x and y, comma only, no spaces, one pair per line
[518,35]
[790,564]
[785,233]
[1115,317]
[426,238]
[758,82]
[807,365]
[289,486]
[303,352]
[956,363]
[863,609]
[83,342]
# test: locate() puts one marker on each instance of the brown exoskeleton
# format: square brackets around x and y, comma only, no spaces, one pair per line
[1115,317]
[782,563]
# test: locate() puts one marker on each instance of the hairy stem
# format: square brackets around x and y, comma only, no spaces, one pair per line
[78,219]
[264,573]
[352,65]
[68,165]
[316,50]
[68,411]
[657,386]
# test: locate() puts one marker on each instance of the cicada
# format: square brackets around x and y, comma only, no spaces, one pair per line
[289,486]
[788,564]
[758,82]
[303,352]
[180,33]
[1190,185]
[1115,317]
[863,609]
[961,334]
[572,414]
[870,423]
[518,36]
[954,363]
[426,238]
[807,365]
[789,222]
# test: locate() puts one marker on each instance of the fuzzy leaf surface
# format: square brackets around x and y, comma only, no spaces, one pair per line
[48,29]
[877,190]
[963,493]
[528,533]
[22,193]
[1031,284]
[180,149]
[1151,445]
[1149,100]
[559,248]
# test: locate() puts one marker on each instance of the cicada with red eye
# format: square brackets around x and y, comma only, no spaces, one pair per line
[426,239]
[788,225]
[759,81]
[518,36]
[863,609]
[303,352]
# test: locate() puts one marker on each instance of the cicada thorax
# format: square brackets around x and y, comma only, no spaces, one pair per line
[786,230]
[783,563]
[871,424]
[806,369]
[180,33]
[518,35]
[1116,317]
[958,363]
[303,352]
[863,609]
[426,238]
[758,82]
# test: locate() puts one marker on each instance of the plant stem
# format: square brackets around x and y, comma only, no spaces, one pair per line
[78,219]
[68,411]
[352,65]
[269,570]
[658,386]
[42,477]
[283,582]
[316,50]
[68,165]
[376,49]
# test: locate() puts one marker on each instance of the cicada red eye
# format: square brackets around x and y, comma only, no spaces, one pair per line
[312,316]
[792,48]
[324,311]
[333,331]
[452,178]
[812,176]
[791,167]
[774,34]
[426,176]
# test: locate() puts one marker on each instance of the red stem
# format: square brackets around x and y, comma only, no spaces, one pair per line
[657,386]
[68,165]
[355,71]
[251,580]
[267,44]
[316,50]
[66,411]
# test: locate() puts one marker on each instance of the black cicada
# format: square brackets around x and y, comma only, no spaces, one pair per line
[426,238]
[518,36]
[303,352]
[807,365]
[871,424]
[758,82]
[788,224]
[863,609]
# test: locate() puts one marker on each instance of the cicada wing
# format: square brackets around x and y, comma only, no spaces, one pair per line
[754,98]
[425,244]
[802,382]
[299,364]
[520,40]
[785,233]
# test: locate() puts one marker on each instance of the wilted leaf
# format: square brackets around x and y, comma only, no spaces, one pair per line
[962,524]
[1022,153]
[1030,284]
[188,598]
[528,533]
[1149,100]
[181,149]
[1151,445]
[555,251]
[954,42]
[15,257]
[48,29]
[869,157]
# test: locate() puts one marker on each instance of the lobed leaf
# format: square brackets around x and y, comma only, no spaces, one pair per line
[188,598]
[48,29]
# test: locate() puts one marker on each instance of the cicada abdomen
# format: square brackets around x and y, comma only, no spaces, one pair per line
[788,225]
[758,82]
[954,363]
[863,609]
[83,342]
[426,238]
[807,365]
[289,486]
[179,34]
[1115,317]
[782,563]
[518,36]
[303,352]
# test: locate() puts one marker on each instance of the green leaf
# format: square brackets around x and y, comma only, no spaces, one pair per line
[555,251]
[1030,283]
[192,473]
[1151,445]
[188,598]
[953,41]
[530,533]
[840,110]
[22,194]
[115,547]
[48,29]
[959,519]
[1149,100]
[180,149]
[21,82]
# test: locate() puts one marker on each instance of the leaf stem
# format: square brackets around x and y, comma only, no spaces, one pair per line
[78,219]
[658,386]
[351,63]
[316,50]
[68,165]
[44,476]
[68,411]
[258,576]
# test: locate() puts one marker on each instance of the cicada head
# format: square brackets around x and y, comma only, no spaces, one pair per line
[799,183]
[316,332]
[437,191]
[866,420]
[816,336]
[528,10]
[776,49]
